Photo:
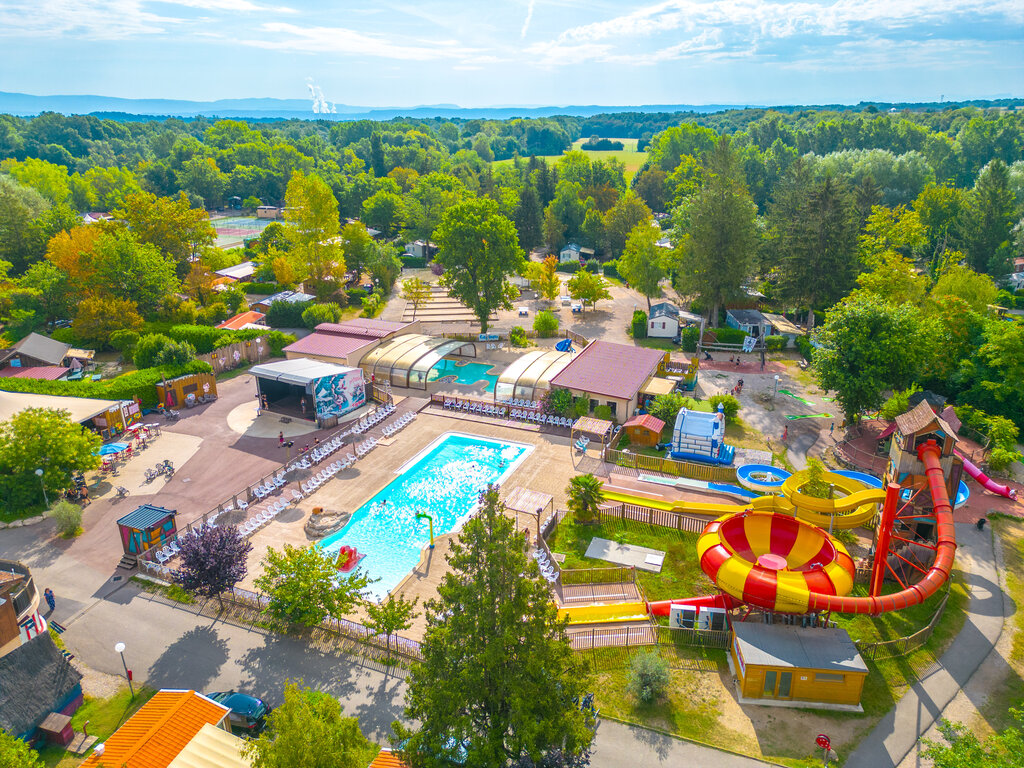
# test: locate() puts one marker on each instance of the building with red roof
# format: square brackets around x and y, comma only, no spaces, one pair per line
[644,429]
[348,342]
[611,374]
[243,320]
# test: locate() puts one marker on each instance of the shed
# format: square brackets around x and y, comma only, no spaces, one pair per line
[185,390]
[818,667]
[780,326]
[35,680]
[571,252]
[644,430]
[750,321]
[147,527]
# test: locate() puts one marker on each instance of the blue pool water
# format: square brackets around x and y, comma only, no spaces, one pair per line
[470,373]
[444,480]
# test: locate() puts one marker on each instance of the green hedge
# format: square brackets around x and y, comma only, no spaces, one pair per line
[775,343]
[572,267]
[729,335]
[803,344]
[285,314]
[263,289]
[688,338]
[414,262]
[611,269]
[141,384]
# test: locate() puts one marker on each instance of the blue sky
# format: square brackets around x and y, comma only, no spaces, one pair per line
[522,52]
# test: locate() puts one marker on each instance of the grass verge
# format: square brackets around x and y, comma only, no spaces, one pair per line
[170,591]
[104,717]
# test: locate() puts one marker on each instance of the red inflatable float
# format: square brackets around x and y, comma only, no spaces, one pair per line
[348,558]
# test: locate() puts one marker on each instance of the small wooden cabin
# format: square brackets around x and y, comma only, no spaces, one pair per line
[780,663]
[176,392]
[147,527]
[913,429]
[644,430]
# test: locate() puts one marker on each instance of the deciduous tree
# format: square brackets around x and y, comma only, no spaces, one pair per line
[416,292]
[98,317]
[628,211]
[171,224]
[498,681]
[588,288]
[304,586]
[312,210]
[127,269]
[544,277]
[642,262]
[391,615]
[212,561]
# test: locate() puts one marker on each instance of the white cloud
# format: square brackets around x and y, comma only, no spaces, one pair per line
[529,17]
[243,6]
[86,19]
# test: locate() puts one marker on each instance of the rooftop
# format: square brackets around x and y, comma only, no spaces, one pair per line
[920,418]
[48,372]
[144,517]
[238,271]
[155,735]
[775,645]
[34,678]
[613,370]
[43,348]
[653,423]
[241,320]
[212,747]
[387,759]
[664,309]
[80,408]
[747,316]
[300,371]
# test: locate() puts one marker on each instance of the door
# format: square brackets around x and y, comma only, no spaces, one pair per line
[777,685]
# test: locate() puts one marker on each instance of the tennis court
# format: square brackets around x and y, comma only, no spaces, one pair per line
[233,230]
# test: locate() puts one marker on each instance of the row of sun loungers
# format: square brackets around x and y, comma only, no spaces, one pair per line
[170,550]
[504,412]
[516,403]
[373,419]
[403,421]
[547,570]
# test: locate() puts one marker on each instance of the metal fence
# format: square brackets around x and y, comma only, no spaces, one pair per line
[650,516]
[707,472]
[646,635]
[901,646]
[616,574]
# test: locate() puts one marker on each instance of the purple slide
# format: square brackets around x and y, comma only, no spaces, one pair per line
[985,481]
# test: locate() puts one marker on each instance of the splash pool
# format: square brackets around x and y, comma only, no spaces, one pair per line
[443,480]
[469,373]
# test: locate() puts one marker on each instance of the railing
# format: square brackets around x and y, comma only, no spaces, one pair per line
[593,638]
[651,516]
[901,646]
[708,472]
[854,457]
[616,574]
[705,638]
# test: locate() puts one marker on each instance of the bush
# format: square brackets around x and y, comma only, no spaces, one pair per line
[775,343]
[284,314]
[156,349]
[124,342]
[603,412]
[667,407]
[593,266]
[729,335]
[572,267]
[1001,458]
[611,269]
[688,338]
[414,262]
[261,289]
[730,405]
[803,345]
[606,145]
[66,336]
[580,407]
[638,326]
[204,338]
[648,677]
[517,337]
[372,305]
[68,517]
[558,402]
[321,313]
[356,296]
[545,324]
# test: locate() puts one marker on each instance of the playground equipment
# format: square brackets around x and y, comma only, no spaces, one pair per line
[430,520]
[348,558]
[762,478]
[700,436]
[985,481]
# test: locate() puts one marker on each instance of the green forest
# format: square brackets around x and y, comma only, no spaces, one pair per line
[891,233]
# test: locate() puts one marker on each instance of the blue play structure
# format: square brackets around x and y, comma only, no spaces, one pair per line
[565,345]
[700,436]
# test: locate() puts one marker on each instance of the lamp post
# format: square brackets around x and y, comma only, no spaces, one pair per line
[39,474]
[776,390]
[119,648]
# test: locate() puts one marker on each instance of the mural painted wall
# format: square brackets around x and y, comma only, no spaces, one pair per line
[337,395]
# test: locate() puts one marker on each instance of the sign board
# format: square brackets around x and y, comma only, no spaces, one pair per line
[823,741]
[488,337]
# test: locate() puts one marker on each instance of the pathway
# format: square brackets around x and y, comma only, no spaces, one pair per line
[901,728]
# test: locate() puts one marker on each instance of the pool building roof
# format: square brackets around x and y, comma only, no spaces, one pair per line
[613,370]
[775,645]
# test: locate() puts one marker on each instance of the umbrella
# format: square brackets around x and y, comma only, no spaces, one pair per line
[110,448]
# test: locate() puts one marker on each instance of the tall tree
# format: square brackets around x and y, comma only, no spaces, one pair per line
[309,730]
[717,232]
[479,249]
[642,262]
[312,210]
[544,277]
[130,270]
[588,288]
[357,245]
[528,218]
[20,206]
[98,317]
[171,224]
[383,211]
[987,219]
[866,346]
[498,680]
[384,265]
[628,211]
[815,227]
[212,561]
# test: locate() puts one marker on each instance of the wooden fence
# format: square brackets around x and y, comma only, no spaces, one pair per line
[711,473]
[901,646]
[238,354]
[651,516]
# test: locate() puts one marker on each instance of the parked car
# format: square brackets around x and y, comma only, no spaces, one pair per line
[248,714]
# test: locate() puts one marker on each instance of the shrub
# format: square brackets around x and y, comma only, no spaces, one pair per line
[580,407]
[558,402]
[436,268]
[204,338]
[68,517]
[517,336]
[149,348]
[667,407]
[372,305]
[603,412]
[611,269]
[898,403]
[315,314]
[124,342]
[688,338]
[1001,458]
[803,345]
[261,289]
[729,335]
[414,262]
[356,296]
[648,676]
[816,487]
[284,314]
[730,405]
[638,325]
[775,343]
[572,267]
[593,266]
[545,324]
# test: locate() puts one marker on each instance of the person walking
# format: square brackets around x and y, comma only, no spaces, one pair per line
[831,427]
[785,434]
[280,439]
[51,601]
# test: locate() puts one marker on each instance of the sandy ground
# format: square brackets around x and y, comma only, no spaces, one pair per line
[177,448]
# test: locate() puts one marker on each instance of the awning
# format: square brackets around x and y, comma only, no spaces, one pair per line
[658,386]
[300,371]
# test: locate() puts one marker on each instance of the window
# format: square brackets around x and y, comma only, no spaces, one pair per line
[611,405]
[828,677]
[663,326]
[593,404]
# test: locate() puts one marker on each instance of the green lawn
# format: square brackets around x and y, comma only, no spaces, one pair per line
[666,344]
[628,156]
[104,715]
[681,575]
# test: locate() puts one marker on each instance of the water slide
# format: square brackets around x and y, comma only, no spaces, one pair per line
[984,480]
[604,613]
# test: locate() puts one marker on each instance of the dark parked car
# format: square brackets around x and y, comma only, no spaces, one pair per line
[248,714]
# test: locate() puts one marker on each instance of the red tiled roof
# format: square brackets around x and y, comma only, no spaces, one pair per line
[363,326]
[48,372]
[653,423]
[387,759]
[329,344]
[613,370]
[241,319]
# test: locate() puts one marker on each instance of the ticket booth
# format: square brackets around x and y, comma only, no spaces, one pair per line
[147,527]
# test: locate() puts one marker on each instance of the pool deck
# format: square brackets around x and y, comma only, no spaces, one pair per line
[548,469]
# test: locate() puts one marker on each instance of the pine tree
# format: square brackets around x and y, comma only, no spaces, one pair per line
[528,218]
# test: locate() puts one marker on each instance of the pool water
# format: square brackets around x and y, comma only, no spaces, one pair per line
[470,373]
[444,480]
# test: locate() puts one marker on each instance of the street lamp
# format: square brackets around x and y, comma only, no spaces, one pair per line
[776,386]
[39,474]
[119,648]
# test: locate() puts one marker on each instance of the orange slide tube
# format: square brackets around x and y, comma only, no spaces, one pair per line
[937,575]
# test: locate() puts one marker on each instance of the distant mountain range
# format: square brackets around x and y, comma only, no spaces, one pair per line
[27,104]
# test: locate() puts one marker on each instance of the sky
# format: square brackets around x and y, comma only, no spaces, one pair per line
[517,52]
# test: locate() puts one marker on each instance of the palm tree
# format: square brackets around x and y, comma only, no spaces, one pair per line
[584,493]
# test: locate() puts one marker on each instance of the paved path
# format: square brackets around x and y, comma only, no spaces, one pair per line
[899,731]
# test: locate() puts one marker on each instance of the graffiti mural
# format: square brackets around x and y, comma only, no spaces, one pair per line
[337,395]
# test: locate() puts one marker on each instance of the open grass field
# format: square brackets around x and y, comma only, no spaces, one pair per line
[628,156]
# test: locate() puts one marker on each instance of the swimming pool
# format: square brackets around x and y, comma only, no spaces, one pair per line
[444,481]
[470,373]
